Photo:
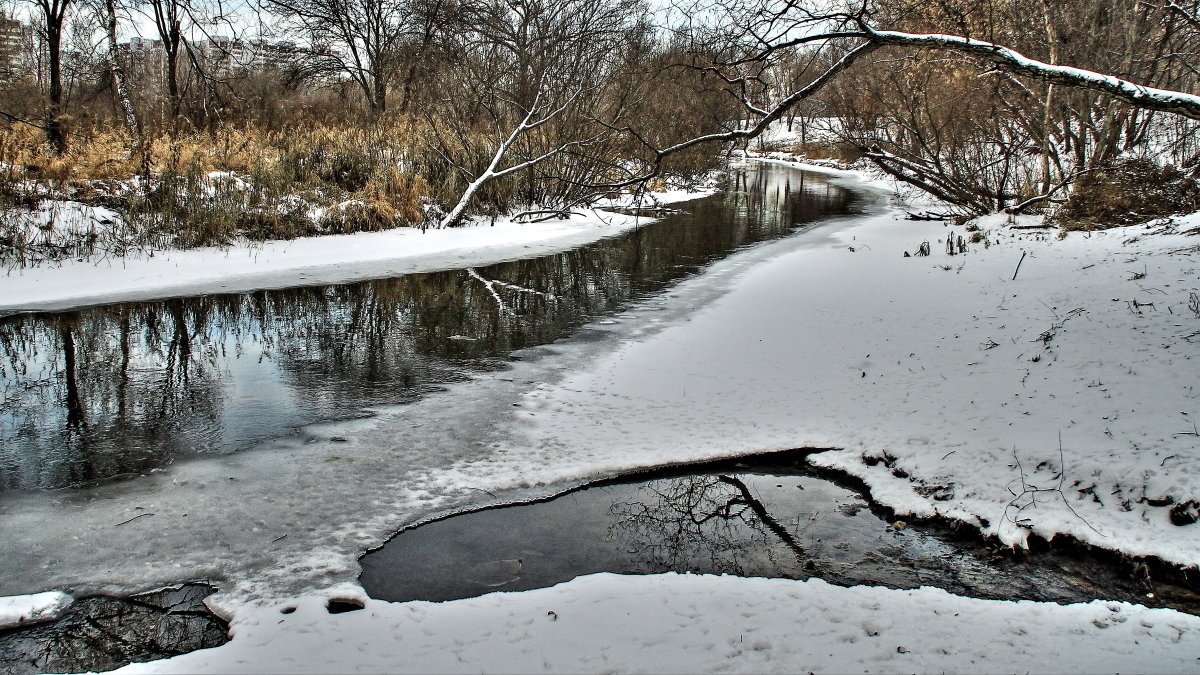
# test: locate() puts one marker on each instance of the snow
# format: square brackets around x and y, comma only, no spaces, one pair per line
[931,377]
[17,610]
[307,261]
[672,623]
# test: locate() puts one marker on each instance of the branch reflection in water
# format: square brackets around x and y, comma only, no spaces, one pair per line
[103,633]
[712,518]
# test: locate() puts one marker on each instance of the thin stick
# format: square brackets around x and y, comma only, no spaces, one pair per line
[140,515]
[1019,265]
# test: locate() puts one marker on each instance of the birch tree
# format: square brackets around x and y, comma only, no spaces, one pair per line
[129,115]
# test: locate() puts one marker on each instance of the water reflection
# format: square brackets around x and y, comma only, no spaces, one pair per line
[122,389]
[752,517]
[103,633]
[709,521]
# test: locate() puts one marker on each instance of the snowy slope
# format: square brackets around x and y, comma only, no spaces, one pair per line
[944,382]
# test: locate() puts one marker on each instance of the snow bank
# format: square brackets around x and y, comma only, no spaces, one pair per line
[307,261]
[19,610]
[680,623]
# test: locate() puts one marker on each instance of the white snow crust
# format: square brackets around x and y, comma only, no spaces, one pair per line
[672,623]
[306,261]
[19,610]
[932,377]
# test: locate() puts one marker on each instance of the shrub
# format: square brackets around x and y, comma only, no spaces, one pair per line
[1128,192]
[837,151]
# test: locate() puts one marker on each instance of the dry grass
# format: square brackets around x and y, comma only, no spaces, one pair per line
[242,182]
[1129,192]
[214,188]
[836,151]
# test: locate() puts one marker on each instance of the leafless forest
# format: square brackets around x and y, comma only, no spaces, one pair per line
[203,122]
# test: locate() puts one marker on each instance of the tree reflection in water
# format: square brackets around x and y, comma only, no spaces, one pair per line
[123,389]
[104,633]
[753,516]
[704,523]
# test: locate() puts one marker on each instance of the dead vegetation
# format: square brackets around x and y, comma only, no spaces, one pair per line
[1129,192]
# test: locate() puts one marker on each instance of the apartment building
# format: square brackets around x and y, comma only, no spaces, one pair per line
[12,46]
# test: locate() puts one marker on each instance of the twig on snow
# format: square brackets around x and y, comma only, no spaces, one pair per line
[1030,493]
[1023,254]
[140,515]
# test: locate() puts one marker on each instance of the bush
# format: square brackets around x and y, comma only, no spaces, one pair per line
[1128,192]
[837,151]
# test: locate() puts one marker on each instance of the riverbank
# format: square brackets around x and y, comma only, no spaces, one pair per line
[305,261]
[673,623]
[1054,398]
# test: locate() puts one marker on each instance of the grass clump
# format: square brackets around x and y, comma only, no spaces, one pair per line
[1128,192]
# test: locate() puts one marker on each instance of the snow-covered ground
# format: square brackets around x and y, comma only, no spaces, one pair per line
[307,261]
[1063,401]
[947,386]
[670,623]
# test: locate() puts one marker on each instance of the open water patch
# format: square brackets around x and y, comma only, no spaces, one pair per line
[762,516]
[103,632]
[118,391]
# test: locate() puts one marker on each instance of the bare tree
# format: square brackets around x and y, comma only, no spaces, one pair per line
[129,115]
[169,18]
[538,72]
[752,38]
[366,39]
[53,21]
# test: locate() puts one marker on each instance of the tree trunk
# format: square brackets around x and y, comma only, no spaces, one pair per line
[137,146]
[1048,111]
[379,95]
[56,132]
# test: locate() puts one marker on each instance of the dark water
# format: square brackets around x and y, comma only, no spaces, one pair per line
[103,633]
[122,389]
[756,517]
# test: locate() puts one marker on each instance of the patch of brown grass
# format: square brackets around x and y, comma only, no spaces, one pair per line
[845,153]
[1129,192]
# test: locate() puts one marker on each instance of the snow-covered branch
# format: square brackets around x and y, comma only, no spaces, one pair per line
[1149,98]
[528,123]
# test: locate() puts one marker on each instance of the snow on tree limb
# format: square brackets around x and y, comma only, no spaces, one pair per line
[1150,98]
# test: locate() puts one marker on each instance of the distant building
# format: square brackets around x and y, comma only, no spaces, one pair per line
[226,57]
[144,61]
[12,52]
